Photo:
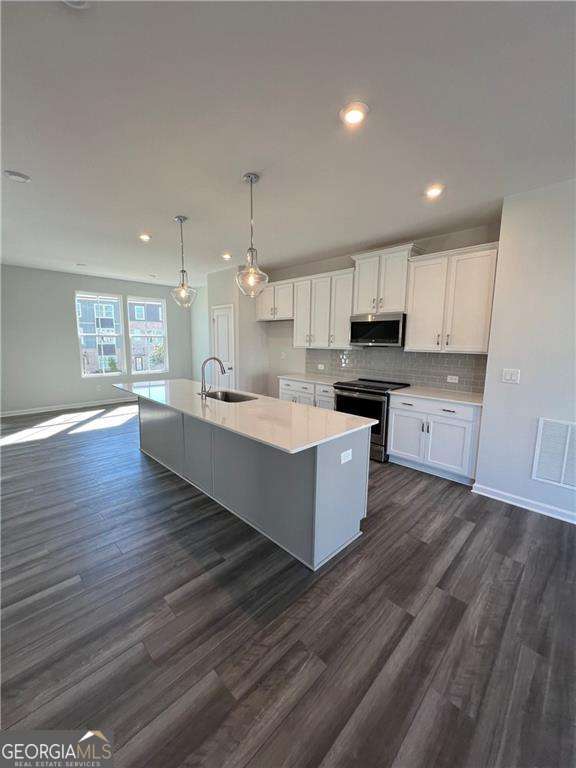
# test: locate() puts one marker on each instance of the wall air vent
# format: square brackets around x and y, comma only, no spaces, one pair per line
[555,454]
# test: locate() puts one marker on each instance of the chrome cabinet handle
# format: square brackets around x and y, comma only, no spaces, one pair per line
[421,426]
[410,404]
[374,303]
[428,427]
[448,410]
[331,339]
[437,339]
[447,339]
[380,302]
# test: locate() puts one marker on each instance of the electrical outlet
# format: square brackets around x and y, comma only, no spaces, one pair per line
[346,456]
[452,379]
[511,375]
[320,366]
[282,355]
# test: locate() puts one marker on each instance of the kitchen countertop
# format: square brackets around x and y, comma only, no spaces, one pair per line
[317,378]
[435,393]
[284,425]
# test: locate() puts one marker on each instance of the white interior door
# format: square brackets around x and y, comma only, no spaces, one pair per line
[222,344]
[284,302]
[425,310]
[392,290]
[366,285]
[469,301]
[302,291]
[320,312]
[340,310]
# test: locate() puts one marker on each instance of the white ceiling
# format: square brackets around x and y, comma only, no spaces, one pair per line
[129,113]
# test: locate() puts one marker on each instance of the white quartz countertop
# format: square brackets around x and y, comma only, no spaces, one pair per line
[317,378]
[288,426]
[433,393]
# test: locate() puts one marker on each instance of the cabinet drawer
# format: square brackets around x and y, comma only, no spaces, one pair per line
[437,407]
[325,390]
[296,386]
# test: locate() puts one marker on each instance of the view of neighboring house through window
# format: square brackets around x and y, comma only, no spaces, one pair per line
[148,333]
[101,335]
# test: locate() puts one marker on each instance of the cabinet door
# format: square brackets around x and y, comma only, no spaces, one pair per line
[305,399]
[265,304]
[340,310]
[469,301]
[366,285]
[425,310]
[302,291]
[449,444]
[406,434]
[320,312]
[392,285]
[284,302]
[323,401]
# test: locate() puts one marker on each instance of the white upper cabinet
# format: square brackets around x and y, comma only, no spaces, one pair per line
[340,309]
[449,300]
[275,302]
[302,294]
[380,279]
[322,309]
[284,301]
[366,284]
[320,312]
[469,301]
[425,310]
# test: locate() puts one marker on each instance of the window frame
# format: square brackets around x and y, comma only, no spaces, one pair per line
[99,298]
[163,314]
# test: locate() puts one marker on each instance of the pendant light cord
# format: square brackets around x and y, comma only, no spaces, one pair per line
[182,244]
[251,213]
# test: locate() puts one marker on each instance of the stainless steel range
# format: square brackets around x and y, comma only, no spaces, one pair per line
[368,397]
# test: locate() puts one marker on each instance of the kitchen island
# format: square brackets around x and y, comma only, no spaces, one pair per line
[296,473]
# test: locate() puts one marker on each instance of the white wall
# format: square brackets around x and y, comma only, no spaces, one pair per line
[40,353]
[251,346]
[533,329]
[200,331]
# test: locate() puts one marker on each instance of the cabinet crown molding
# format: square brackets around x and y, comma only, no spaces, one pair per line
[453,251]
[408,248]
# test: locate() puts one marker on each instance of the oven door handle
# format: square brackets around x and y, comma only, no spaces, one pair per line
[361,395]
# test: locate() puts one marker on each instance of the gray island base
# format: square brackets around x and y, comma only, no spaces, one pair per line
[310,502]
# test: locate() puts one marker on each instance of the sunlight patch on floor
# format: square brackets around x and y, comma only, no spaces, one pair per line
[49,428]
[113,418]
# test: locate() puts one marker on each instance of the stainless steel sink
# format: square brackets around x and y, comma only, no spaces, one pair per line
[226,396]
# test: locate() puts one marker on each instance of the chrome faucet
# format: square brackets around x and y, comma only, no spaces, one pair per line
[204,390]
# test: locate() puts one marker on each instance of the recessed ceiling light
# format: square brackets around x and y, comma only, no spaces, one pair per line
[226,256]
[145,237]
[154,275]
[354,114]
[79,264]
[434,191]
[21,178]
[77,5]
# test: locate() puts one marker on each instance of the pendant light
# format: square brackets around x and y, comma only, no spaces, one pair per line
[183,294]
[250,278]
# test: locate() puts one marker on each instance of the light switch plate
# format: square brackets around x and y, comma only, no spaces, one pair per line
[320,366]
[511,375]
[452,379]
[346,456]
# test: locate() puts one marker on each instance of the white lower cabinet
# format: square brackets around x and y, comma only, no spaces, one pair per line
[439,436]
[307,393]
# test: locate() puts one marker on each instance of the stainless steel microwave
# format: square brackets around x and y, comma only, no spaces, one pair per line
[383,330]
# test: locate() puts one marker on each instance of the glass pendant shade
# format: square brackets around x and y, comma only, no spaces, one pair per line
[183,294]
[250,278]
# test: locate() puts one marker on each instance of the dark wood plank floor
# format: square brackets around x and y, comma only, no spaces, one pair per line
[445,636]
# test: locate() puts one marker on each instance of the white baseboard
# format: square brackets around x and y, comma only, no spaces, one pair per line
[520,501]
[69,406]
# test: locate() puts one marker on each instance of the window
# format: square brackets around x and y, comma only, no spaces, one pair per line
[148,335]
[101,334]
